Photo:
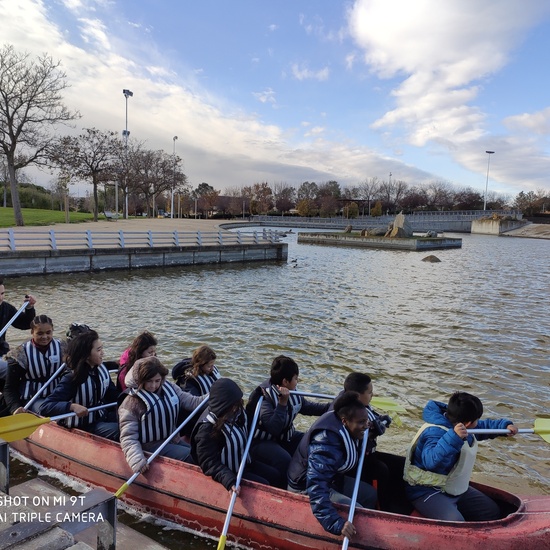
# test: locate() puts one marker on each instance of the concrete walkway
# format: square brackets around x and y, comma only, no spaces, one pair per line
[134,224]
[532,230]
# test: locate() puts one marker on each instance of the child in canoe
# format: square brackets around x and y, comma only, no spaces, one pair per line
[441,458]
[150,414]
[144,345]
[384,468]
[219,439]
[276,438]
[325,462]
[197,374]
[86,385]
[30,366]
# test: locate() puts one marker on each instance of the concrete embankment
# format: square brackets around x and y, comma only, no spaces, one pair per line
[131,244]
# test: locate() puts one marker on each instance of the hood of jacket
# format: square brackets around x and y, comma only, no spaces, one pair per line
[434,413]
[224,393]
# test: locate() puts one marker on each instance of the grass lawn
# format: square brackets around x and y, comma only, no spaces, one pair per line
[34,216]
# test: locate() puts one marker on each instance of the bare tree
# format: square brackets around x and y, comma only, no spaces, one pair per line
[30,105]
[368,190]
[90,156]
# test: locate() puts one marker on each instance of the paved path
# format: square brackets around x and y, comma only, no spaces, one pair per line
[134,224]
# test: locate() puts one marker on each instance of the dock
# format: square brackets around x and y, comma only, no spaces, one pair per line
[385,243]
[35,515]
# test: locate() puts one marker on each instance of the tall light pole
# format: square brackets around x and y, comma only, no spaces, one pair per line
[125,134]
[489,153]
[174,179]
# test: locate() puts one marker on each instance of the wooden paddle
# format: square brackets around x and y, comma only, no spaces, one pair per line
[19,426]
[127,484]
[223,536]
[542,428]
[8,324]
[356,486]
[46,384]
[383,403]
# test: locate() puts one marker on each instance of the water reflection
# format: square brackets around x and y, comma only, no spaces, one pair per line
[477,321]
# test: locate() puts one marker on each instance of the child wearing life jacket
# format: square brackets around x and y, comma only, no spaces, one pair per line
[30,366]
[144,345]
[86,385]
[441,458]
[150,413]
[325,462]
[197,373]
[276,438]
[384,468]
[219,438]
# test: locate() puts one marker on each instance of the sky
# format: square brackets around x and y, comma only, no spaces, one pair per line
[317,90]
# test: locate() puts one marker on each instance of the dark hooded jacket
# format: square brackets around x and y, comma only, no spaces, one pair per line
[206,443]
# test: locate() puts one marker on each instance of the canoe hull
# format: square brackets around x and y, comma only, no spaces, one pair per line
[269,518]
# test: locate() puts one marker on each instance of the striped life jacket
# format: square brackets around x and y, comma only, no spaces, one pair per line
[205,381]
[159,420]
[297,469]
[294,406]
[39,368]
[90,394]
[235,442]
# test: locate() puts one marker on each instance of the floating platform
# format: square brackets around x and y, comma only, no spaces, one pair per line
[385,243]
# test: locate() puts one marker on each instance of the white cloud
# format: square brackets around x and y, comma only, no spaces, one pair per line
[538,123]
[304,73]
[266,96]
[438,52]
[93,32]
[315,131]
[272,27]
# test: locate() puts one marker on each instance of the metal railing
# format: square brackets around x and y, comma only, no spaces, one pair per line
[14,240]
[451,215]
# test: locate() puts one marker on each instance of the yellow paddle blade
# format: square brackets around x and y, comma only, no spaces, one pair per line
[542,427]
[387,404]
[396,420]
[19,426]
[221,542]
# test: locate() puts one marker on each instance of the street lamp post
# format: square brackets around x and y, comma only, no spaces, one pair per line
[489,153]
[125,134]
[174,179]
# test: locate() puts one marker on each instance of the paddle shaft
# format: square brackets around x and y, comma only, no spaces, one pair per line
[380,403]
[488,431]
[68,415]
[46,384]
[127,484]
[8,324]
[223,536]
[356,486]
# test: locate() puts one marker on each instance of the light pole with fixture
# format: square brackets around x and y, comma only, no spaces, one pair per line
[174,179]
[489,153]
[125,134]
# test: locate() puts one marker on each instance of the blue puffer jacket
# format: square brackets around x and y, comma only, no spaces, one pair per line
[438,451]
[326,454]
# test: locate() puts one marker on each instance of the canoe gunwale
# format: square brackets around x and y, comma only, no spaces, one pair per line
[160,485]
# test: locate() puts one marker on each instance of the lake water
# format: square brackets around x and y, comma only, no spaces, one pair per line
[478,321]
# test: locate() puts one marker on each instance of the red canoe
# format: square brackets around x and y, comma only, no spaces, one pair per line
[269,518]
